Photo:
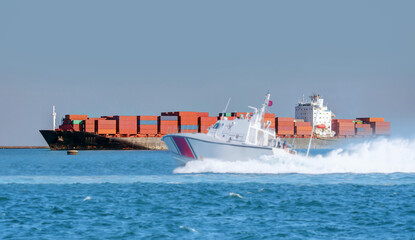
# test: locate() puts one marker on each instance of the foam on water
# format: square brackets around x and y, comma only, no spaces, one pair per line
[235,195]
[189,229]
[375,156]
[87,198]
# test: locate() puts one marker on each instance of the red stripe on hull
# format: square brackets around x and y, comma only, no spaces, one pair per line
[183,146]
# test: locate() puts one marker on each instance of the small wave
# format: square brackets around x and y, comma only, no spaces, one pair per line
[235,195]
[189,229]
[375,156]
[87,198]
[174,182]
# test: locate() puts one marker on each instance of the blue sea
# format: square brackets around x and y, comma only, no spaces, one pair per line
[360,192]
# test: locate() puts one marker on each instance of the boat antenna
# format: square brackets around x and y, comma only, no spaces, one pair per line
[227,104]
[53,118]
[226,107]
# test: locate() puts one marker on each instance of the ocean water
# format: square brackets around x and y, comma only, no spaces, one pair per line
[364,191]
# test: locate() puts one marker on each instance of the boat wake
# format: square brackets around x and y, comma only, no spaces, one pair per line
[374,156]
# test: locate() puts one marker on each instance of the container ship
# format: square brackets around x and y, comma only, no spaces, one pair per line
[312,120]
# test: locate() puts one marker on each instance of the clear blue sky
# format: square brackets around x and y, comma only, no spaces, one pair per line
[144,57]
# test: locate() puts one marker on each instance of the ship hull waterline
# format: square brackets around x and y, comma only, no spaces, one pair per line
[73,140]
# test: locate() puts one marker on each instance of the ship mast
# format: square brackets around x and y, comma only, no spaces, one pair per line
[264,105]
[258,117]
[53,118]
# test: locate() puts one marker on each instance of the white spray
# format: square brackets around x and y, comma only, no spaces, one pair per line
[375,156]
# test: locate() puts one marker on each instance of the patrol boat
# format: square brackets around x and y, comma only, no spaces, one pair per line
[241,139]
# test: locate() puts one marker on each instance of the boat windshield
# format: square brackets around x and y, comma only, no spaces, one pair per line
[216,126]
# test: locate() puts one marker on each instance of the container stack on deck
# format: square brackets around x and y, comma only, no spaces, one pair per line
[378,125]
[302,128]
[270,117]
[285,126]
[126,125]
[362,129]
[188,122]
[206,122]
[193,122]
[73,122]
[147,125]
[107,126]
[168,123]
[343,127]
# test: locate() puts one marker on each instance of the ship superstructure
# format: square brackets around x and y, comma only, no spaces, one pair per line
[317,113]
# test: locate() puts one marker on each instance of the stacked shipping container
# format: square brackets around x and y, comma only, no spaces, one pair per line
[303,128]
[106,126]
[147,125]
[192,122]
[378,125]
[206,122]
[343,127]
[126,124]
[285,125]
[363,129]
[188,122]
[168,123]
[73,122]
[270,117]
[90,126]
[381,128]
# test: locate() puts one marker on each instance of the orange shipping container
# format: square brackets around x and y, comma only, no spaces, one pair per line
[188,131]
[168,123]
[302,123]
[285,123]
[284,119]
[152,132]
[303,132]
[76,117]
[370,119]
[107,124]
[269,115]
[343,124]
[304,128]
[285,132]
[202,114]
[147,118]
[208,119]
[362,125]
[125,118]
[148,127]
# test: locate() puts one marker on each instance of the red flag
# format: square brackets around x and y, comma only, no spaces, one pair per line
[270,103]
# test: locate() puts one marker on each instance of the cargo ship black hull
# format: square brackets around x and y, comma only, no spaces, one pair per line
[74,140]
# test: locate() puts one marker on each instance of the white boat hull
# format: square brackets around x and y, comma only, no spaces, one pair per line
[187,147]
